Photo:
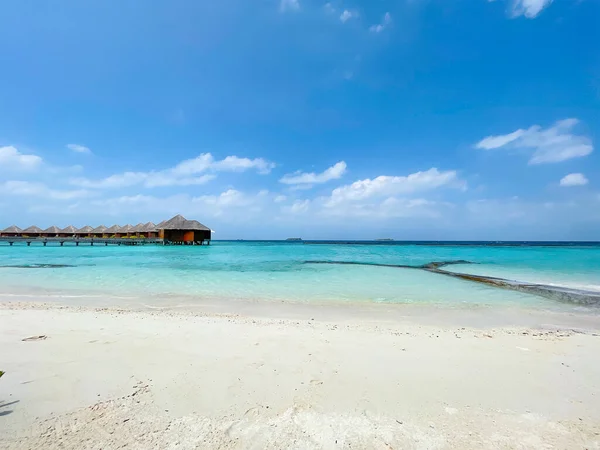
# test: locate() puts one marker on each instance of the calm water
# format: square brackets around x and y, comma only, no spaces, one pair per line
[162,276]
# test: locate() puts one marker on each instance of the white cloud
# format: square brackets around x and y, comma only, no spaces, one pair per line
[79,148]
[235,164]
[230,205]
[280,199]
[328,7]
[529,8]
[551,145]
[388,197]
[387,186]
[228,198]
[492,142]
[347,15]
[299,178]
[574,179]
[187,173]
[289,5]
[11,158]
[378,28]
[35,189]
[298,207]
[388,208]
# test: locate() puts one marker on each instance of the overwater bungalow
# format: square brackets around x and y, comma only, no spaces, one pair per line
[111,232]
[84,232]
[99,232]
[11,231]
[51,232]
[150,230]
[124,231]
[68,231]
[137,230]
[180,230]
[32,231]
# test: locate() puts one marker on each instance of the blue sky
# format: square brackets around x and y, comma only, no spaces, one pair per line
[412,119]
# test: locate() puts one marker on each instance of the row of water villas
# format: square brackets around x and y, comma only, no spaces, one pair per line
[175,231]
[148,230]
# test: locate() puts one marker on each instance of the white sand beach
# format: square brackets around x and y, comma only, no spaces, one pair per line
[302,378]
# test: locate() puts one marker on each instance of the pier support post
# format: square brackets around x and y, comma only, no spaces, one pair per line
[11,243]
[106,244]
[45,243]
[61,244]
[28,244]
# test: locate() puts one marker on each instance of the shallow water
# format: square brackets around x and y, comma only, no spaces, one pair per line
[160,276]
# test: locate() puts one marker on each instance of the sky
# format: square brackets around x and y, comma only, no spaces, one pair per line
[268,119]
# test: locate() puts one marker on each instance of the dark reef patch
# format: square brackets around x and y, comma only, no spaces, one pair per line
[557,293]
[36,266]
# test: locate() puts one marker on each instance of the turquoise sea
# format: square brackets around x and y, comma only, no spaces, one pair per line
[158,276]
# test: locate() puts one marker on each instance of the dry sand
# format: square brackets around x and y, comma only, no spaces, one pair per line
[108,379]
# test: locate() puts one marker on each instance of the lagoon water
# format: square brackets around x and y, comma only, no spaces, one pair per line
[157,276]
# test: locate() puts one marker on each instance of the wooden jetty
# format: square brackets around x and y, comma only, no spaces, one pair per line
[175,231]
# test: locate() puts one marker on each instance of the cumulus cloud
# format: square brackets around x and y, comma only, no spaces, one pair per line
[574,179]
[529,8]
[187,173]
[387,186]
[289,5]
[11,158]
[347,15]
[300,178]
[378,28]
[236,164]
[551,145]
[388,197]
[79,148]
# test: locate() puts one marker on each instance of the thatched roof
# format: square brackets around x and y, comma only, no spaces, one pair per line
[149,227]
[86,229]
[52,230]
[125,229]
[12,229]
[100,229]
[33,229]
[139,227]
[69,230]
[160,225]
[113,229]
[181,223]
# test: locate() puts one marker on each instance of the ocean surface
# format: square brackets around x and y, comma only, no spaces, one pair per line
[157,276]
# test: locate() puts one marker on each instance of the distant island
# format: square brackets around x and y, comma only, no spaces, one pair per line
[384,239]
[293,239]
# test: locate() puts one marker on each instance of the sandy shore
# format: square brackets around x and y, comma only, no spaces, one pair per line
[107,379]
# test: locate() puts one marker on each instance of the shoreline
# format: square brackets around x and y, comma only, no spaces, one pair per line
[352,379]
[482,316]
